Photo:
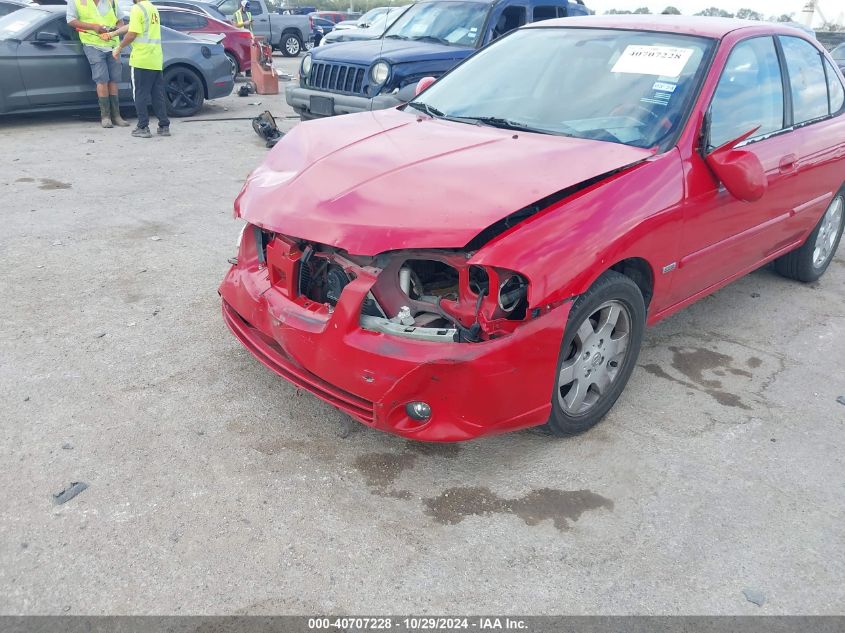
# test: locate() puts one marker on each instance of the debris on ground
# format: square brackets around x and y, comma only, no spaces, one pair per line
[265,126]
[155,238]
[57,243]
[67,446]
[99,335]
[70,492]
[754,596]
[841,399]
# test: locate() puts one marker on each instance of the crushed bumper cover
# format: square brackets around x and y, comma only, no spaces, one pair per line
[299,99]
[474,389]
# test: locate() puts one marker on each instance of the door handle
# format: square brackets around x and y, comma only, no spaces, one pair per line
[787,163]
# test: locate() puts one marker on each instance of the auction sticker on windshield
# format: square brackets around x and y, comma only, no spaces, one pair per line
[666,61]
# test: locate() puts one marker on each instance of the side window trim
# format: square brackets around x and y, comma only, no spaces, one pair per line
[828,67]
[787,110]
[785,71]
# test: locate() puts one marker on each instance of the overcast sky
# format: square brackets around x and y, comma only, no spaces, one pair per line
[831,8]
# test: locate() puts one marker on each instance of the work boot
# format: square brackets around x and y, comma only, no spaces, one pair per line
[142,132]
[105,112]
[118,120]
[163,130]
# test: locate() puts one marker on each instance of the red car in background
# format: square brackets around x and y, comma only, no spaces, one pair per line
[486,257]
[236,42]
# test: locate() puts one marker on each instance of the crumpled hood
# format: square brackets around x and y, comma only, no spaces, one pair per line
[388,180]
[395,51]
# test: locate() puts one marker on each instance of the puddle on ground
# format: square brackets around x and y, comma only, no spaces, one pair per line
[562,507]
[382,469]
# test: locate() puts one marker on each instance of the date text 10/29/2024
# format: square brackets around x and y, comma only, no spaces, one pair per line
[479,623]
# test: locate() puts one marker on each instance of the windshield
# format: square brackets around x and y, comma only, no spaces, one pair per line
[371,15]
[838,53]
[628,87]
[15,25]
[454,23]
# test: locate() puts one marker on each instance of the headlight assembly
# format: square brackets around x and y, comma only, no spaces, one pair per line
[305,70]
[380,72]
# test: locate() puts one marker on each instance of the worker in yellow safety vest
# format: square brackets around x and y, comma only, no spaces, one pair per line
[96,21]
[242,17]
[143,33]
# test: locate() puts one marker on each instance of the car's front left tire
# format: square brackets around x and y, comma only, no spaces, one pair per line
[809,262]
[600,348]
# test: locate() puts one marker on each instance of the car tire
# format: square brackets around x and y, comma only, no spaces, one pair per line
[600,348]
[291,45]
[808,262]
[183,90]
[236,67]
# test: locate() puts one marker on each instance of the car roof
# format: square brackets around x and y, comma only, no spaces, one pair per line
[689,25]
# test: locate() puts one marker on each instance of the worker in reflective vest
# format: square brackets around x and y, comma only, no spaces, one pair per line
[146,60]
[96,21]
[242,17]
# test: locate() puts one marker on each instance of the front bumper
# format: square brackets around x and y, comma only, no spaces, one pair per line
[474,389]
[299,99]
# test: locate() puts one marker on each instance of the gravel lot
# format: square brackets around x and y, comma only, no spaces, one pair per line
[216,488]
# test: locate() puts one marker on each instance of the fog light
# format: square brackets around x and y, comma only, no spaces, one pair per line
[419,411]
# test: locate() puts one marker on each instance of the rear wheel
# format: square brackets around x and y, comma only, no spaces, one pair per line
[236,67]
[600,349]
[809,262]
[183,91]
[291,45]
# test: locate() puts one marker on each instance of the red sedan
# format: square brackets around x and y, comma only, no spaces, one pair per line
[236,42]
[486,258]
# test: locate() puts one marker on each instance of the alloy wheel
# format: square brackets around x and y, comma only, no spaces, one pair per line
[596,354]
[828,232]
[292,46]
[183,90]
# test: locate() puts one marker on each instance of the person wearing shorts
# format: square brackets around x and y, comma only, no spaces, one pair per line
[96,21]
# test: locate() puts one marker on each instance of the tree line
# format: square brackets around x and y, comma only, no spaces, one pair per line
[743,14]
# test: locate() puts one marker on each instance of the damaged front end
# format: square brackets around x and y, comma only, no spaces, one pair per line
[425,295]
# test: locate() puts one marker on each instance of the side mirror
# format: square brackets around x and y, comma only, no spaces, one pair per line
[46,38]
[739,170]
[422,84]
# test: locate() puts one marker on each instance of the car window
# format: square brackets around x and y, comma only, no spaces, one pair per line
[180,21]
[511,18]
[749,94]
[255,8]
[58,27]
[456,23]
[6,9]
[838,53]
[544,13]
[836,93]
[228,7]
[807,79]
[631,87]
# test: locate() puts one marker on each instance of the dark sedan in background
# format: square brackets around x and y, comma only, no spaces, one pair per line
[42,67]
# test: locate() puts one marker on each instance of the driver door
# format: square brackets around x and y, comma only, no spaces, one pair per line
[722,235]
[56,73]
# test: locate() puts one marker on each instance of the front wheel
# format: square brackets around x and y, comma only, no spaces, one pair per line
[809,262]
[599,351]
[183,91]
[291,45]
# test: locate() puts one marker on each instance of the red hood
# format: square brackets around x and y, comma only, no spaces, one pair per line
[389,180]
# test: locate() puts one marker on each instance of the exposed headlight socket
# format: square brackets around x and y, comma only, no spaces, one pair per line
[511,292]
